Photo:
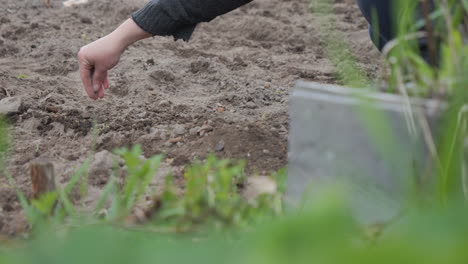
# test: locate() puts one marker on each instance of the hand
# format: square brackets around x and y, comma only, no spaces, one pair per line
[97,58]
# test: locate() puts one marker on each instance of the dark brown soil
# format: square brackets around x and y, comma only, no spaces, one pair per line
[224,92]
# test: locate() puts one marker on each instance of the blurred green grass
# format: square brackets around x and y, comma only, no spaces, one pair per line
[323,233]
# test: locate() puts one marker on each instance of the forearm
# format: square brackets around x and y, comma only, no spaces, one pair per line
[168,17]
[127,34]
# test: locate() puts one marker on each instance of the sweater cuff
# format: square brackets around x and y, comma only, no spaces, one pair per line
[154,20]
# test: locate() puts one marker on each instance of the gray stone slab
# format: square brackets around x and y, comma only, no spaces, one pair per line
[360,141]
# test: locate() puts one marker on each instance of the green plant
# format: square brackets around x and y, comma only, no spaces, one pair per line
[438,71]
[211,195]
[58,208]
[324,232]
[428,59]
[22,76]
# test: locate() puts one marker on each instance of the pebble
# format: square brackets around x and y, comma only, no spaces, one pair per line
[70,3]
[194,131]
[103,162]
[256,186]
[205,129]
[10,105]
[220,146]
[251,105]
[179,130]
[164,103]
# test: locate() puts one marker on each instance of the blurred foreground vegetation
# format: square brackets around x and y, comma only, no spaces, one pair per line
[324,232]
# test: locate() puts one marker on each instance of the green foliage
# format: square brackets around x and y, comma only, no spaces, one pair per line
[22,76]
[140,173]
[439,72]
[324,232]
[57,208]
[212,196]
[4,142]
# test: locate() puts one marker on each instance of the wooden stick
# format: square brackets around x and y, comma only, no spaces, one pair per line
[42,178]
[426,9]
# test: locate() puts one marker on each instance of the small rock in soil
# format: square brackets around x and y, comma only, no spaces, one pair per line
[205,129]
[10,105]
[70,3]
[194,131]
[164,103]
[103,160]
[251,105]
[259,185]
[220,146]
[179,130]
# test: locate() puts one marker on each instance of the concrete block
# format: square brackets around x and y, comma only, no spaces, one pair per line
[371,144]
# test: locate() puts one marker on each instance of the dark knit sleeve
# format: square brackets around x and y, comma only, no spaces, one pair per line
[179,18]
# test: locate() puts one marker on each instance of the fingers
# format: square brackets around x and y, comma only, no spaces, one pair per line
[85,73]
[94,78]
[101,93]
[99,81]
[106,82]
